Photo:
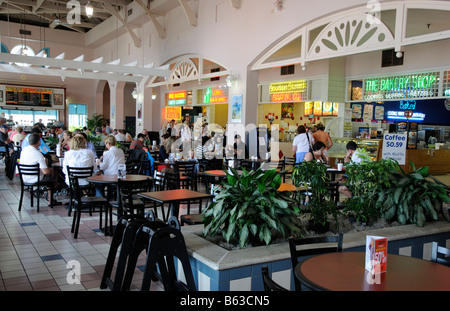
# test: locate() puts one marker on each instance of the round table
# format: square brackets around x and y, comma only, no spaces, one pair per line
[345,271]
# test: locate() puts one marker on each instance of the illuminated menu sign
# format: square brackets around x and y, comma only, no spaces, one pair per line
[424,85]
[21,96]
[173,113]
[291,91]
[177,98]
[215,96]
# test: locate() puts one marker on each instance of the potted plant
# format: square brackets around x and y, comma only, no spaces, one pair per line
[312,177]
[249,209]
[97,120]
[366,180]
[412,198]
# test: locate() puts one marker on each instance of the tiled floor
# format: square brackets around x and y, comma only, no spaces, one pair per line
[35,248]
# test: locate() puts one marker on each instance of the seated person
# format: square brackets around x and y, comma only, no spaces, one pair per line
[43,148]
[164,152]
[353,156]
[19,136]
[317,154]
[138,143]
[4,140]
[31,155]
[110,161]
[67,136]
[78,156]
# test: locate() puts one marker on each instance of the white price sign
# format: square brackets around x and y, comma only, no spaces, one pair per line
[394,147]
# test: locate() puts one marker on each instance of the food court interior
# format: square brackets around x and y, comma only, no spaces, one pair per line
[238,67]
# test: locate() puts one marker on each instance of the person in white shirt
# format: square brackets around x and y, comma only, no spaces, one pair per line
[302,143]
[78,156]
[110,161]
[31,155]
[112,157]
[353,156]
[120,136]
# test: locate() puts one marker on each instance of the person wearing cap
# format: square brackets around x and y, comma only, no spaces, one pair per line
[5,142]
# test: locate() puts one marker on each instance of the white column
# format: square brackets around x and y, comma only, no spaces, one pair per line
[117,118]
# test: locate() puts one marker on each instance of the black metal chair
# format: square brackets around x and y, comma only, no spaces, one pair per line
[185,172]
[35,188]
[295,253]
[81,173]
[130,203]
[289,164]
[440,254]
[269,284]
[99,150]
[88,204]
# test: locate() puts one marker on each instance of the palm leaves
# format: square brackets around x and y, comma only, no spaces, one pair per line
[249,208]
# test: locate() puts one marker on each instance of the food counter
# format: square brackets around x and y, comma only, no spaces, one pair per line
[438,161]
[339,150]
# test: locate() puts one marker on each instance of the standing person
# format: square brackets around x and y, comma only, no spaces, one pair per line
[78,156]
[31,155]
[302,143]
[324,137]
[240,148]
[186,137]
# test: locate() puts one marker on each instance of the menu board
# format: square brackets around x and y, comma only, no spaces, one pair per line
[18,96]
[308,108]
[335,109]
[317,109]
[327,109]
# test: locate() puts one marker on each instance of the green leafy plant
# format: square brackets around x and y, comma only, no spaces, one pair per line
[52,142]
[412,198]
[97,120]
[248,208]
[313,176]
[366,180]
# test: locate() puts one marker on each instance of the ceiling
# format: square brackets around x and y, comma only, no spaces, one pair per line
[54,13]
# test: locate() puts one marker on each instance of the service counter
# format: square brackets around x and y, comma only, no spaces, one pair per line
[438,161]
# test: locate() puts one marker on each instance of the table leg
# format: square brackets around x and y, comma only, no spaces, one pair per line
[175,209]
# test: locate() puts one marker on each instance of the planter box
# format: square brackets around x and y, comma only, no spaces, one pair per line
[217,269]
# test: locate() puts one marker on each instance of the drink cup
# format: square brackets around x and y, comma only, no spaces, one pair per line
[340,166]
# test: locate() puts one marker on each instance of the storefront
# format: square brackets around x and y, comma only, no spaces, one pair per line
[290,104]
[26,105]
[415,104]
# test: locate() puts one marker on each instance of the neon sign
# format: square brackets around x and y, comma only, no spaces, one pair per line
[291,86]
[400,115]
[177,98]
[173,113]
[406,82]
[286,97]
[215,96]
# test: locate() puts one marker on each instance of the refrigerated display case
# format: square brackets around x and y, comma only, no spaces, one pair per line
[338,151]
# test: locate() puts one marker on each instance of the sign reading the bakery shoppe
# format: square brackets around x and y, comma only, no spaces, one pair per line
[424,85]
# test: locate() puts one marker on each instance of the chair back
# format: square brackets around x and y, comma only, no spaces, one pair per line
[146,168]
[99,150]
[29,170]
[75,188]
[128,191]
[440,254]
[269,284]
[296,253]
[79,172]
[185,168]
[159,181]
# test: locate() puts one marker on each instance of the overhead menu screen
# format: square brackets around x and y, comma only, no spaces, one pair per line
[19,96]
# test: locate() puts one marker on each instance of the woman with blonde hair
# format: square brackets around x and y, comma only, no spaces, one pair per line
[78,156]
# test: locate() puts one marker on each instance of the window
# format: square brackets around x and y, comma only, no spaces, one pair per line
[22,50]
[29,118]
[77,116]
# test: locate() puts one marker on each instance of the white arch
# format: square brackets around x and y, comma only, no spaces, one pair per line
[378,35]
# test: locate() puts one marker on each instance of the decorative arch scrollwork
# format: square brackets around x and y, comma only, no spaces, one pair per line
[185,69]
[351,33]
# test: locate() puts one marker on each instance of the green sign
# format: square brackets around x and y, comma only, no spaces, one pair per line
[407,82]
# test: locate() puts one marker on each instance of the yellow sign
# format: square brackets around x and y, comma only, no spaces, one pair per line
[290,86]
[173,113]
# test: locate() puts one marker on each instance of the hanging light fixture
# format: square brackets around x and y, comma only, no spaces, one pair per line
[89,9]
[134,93]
